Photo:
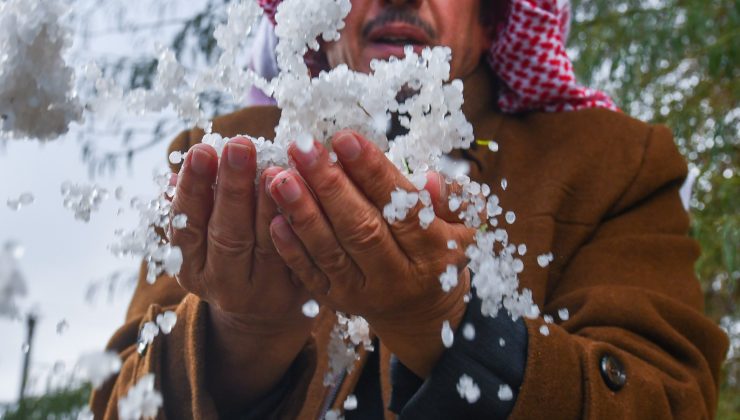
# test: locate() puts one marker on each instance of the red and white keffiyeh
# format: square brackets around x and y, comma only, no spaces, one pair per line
[529,58]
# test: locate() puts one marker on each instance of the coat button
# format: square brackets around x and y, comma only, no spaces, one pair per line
[612,371]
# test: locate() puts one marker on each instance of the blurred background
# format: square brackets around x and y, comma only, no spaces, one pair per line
[674,62]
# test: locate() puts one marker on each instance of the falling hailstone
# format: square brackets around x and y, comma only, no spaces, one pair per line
[176,157]
[468,389]
[62,326]
[448,279]
[147,333]
[544,260]
[544,330]
[311,308]
[510,217]
[350,403]
[166,321]
[563,314]
[142,400]
[96,367]
[501,342]
[448,337]
[83,200]
[180,221]
[24,200]
[333,415]
[469,331]
[504,393]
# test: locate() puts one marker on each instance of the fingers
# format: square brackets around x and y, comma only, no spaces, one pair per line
[231,227]
[358,224]
[295,256]
[314,231]
[266,257]
[194,198]
[377,177]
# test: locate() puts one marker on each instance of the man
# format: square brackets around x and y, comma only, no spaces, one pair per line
[596,188]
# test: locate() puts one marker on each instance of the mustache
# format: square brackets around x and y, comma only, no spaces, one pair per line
[394,14]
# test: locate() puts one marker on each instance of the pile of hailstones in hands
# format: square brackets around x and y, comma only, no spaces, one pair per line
[339,99]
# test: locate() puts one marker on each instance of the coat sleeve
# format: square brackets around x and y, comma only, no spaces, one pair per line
[637,344]
[178,359]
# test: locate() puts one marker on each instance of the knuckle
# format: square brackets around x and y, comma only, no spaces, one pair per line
[333,260]
[229,245]
[369,233]
[306,219]
[186,237]
[231,191]
[330,183]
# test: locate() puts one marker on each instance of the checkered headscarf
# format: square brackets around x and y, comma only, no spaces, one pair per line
[529,58]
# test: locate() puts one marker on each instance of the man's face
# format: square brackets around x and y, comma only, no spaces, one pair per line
[379,29]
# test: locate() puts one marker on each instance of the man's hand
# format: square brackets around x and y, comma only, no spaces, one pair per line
[231,263]
[351,259]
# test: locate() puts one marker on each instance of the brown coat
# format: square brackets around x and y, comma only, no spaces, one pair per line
[596,188]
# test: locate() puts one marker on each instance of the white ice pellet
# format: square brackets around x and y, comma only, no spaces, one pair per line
[24,200]
[333,414]
[166,321]
[350,403]
[176,157]
[504,184]
[548,319]
[172,260]
[501,342]
[62,326]
[142,401]
[83,199]
[180,221]
[468,331]
[448,337]
[426,217]
[454,202]
[493,146]
[544,260]
[448,279]
[505,393]
[96,367]
[311,308]
[544,330]
[563,314]
[468,389]
[522,249]
[485,190]
[333,157]
[37,86]
[148,332]
[510,217]
[451,244]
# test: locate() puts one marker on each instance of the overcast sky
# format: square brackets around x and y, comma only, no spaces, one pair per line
[64,256]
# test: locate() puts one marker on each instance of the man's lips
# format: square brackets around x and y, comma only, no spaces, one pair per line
[399,34]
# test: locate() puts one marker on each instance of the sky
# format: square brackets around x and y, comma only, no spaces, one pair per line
[64,256]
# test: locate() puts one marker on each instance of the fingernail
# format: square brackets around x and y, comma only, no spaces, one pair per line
[306,159]
[289,189]
[347,147]
[268,182]
[201,161]
[237,155]
[442,186]
[282,229]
